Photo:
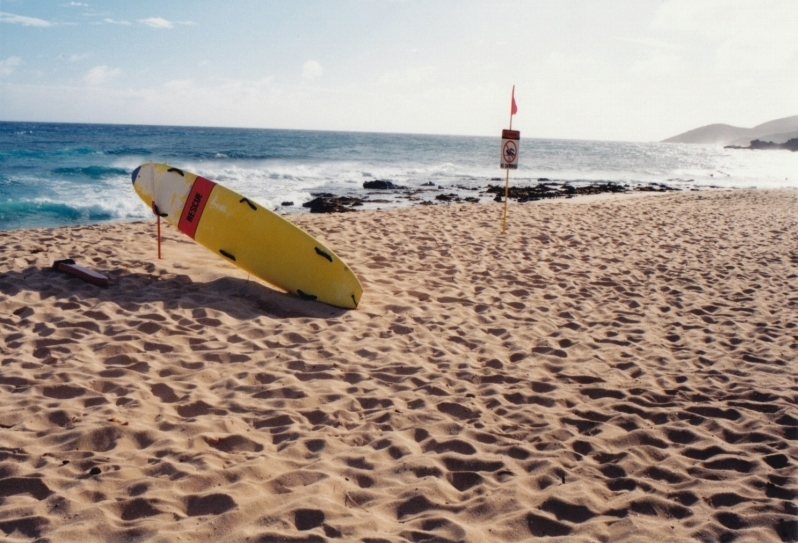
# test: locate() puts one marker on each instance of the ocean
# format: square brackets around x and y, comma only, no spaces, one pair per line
[54,174]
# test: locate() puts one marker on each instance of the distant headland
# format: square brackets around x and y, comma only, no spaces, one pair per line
[777,134]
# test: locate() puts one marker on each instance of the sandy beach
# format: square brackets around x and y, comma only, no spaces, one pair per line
[613,369]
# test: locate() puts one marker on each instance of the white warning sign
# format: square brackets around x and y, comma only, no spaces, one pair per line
[509,158]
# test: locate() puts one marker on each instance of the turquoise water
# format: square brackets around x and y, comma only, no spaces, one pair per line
[66,174]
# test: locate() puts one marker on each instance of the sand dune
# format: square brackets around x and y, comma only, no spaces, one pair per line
[618,369]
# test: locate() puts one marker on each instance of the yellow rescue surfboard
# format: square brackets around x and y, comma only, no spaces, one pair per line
[248,235]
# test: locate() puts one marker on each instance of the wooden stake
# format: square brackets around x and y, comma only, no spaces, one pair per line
[507,174]
[511,107]
[158,222]
[506,197]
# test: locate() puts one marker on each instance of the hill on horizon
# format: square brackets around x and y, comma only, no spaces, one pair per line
[777,131]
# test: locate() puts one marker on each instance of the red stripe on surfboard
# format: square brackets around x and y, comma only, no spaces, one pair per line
[195,205]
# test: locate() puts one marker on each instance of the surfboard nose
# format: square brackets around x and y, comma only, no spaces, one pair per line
[135,174]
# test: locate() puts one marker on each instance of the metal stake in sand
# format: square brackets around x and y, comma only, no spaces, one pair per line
[158,222]
[509,155]
[158,216]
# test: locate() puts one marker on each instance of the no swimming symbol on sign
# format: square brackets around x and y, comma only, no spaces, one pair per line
[509,158]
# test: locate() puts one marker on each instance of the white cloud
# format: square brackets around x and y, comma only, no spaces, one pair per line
[658,66]
[312,69]
[100,74]
[74,57]
[115,22]
[8,65]
[409,76]
[22,20]
[655,44]
[744,36]
[157,22]
[222,103]
[162,24]
[180,85]
[76,5]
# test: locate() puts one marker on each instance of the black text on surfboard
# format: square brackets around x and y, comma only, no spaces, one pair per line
[194,206]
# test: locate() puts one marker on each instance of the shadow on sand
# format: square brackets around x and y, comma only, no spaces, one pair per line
[238,298]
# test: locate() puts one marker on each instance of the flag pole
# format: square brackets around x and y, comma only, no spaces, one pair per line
[507,173]
[512,101]
[506,194]
[157,212]
[158,228]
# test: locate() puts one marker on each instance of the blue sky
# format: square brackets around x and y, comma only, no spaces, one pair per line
[634,70]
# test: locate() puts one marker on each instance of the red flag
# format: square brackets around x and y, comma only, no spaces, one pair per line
[513,107]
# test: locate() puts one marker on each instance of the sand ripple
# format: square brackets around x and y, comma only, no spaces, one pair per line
[611,370]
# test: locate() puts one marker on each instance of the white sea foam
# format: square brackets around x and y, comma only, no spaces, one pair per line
[77,165]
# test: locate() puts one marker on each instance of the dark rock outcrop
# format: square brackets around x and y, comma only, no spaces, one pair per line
[758,145]
[380,184]
[551,190]
[329,203]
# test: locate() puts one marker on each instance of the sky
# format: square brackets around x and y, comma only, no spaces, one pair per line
[618,70]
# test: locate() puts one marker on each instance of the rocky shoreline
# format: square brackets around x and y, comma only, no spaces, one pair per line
[759,145]
[383,192]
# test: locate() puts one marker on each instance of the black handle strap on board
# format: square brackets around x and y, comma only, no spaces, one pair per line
[323,254]
[250,204]
[158,211]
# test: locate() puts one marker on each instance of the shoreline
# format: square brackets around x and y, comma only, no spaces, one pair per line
[59,184]
[403,198]
[613,365]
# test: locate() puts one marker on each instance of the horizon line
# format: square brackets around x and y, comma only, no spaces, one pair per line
[198,126]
